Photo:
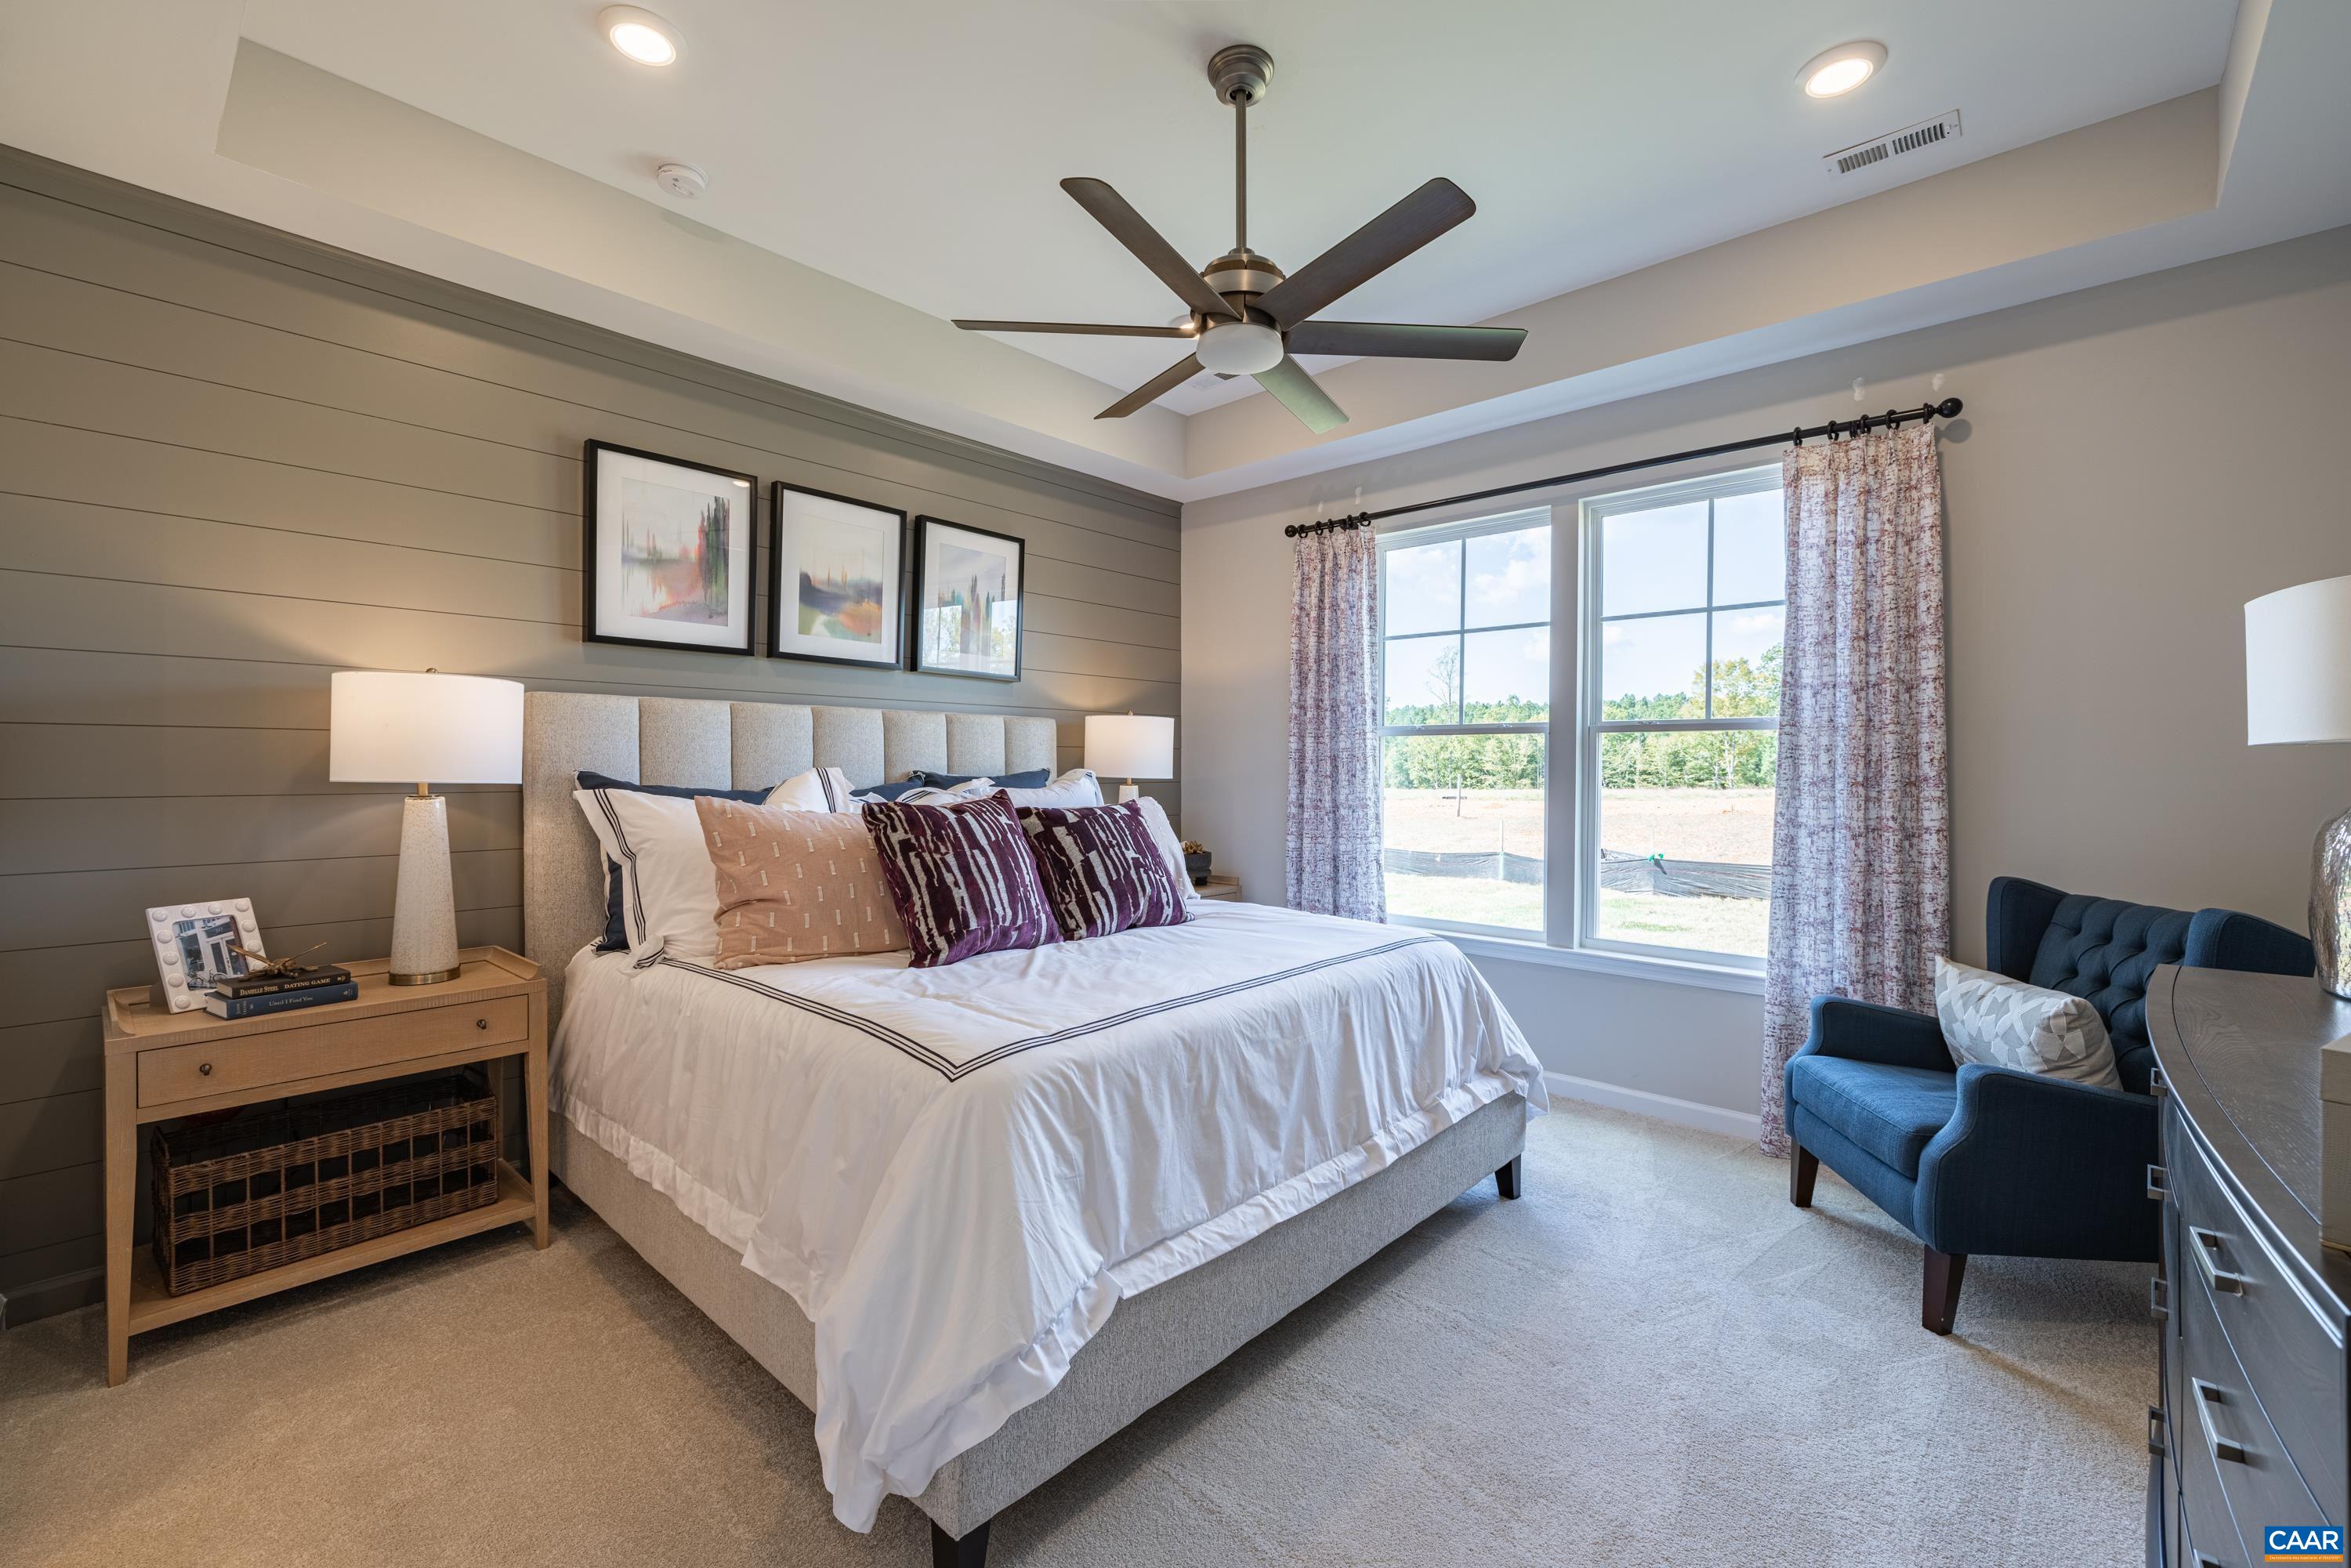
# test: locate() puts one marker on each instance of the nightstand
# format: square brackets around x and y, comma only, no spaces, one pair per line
[161,1065]
[1225,887]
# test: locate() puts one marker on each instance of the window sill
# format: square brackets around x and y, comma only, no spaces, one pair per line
[1624,965]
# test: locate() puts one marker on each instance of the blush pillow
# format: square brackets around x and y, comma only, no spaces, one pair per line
[962,878]
[794,885]
[1102,871]
[1990,1019]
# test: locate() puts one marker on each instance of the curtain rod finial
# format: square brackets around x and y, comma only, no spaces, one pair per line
[1949,407]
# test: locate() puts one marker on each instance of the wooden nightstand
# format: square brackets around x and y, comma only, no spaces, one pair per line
[160,1064]
[1226,887]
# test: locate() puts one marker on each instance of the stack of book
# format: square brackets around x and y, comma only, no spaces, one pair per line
[252,995]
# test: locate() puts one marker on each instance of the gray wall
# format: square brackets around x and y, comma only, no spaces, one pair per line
[2135,462]
[231,462]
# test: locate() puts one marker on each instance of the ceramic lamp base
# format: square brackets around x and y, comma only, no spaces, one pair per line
[1128,792]
[2330,905]
[424,906]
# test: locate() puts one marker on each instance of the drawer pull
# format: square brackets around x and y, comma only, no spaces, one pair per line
[481,1023]
[2207,1249]
[2155,1420]
[2158,1301]
[205,1069]
[2222,1447]
[2155,1187]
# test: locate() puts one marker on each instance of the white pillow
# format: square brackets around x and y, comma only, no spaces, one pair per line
[1990,1019]
[1171,847]
[669,898]
[969,789]
[818,790]
[1076,788]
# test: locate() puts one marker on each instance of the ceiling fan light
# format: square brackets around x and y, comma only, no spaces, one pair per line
[1240,347]
[1833,73]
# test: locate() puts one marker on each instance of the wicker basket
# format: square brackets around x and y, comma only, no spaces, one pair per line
[235,1198]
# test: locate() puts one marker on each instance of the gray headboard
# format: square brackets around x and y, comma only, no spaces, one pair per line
[711,744]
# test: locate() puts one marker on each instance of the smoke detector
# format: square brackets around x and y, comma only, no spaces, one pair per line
[682,180]
[1892,144]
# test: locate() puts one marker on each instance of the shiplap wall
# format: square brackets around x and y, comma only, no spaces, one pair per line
[232,462]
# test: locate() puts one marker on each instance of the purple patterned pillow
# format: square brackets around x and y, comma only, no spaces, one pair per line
[1104,871]
[962,877]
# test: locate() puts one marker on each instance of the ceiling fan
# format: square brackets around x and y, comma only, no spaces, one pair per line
[1247,316]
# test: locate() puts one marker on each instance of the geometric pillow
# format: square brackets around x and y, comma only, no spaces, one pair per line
[962,878]
[1102,871]
[795,885]
[1989,1018]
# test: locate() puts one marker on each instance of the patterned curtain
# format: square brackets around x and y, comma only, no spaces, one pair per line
[1861,841]
[1334,726]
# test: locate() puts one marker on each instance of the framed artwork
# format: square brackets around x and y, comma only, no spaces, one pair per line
[836,580]
[195,941]
[666,554]
[966,601]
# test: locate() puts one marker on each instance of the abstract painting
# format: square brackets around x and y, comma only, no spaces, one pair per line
[667,551]
[968,606]
[835,580]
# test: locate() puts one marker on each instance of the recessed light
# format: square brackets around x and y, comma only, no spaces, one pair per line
[1834,72]
[639,35]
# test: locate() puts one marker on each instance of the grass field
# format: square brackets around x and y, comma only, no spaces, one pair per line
[1728,826]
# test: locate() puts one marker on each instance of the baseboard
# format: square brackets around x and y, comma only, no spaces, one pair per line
[58,1294]
[1665,1107]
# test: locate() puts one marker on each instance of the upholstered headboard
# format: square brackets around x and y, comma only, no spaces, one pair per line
[719,744]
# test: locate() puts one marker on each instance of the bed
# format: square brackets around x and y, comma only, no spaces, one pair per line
[1008,1204]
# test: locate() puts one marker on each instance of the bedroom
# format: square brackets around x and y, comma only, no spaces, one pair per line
[1462,1170]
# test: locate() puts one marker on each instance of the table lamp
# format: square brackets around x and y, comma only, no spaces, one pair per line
[392,726]
[2297,690]
[1130,746]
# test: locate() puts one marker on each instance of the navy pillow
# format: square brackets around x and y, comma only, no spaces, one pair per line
[1035,779]
[615,939]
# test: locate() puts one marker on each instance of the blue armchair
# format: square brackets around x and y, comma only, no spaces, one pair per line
[1992,1159]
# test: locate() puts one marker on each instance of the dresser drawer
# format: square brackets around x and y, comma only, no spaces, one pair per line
[2290,1362]
[2224,1433]
[177,1073]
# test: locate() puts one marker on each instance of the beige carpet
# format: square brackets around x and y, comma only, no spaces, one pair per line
[1649,1359]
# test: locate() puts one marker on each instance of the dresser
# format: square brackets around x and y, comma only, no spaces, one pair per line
[2251,1430]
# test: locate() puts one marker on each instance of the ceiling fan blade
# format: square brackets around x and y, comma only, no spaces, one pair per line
[1403,340]
[1127,227]
[1369,251]
[1296,391]
[1152,390]
[1084,328]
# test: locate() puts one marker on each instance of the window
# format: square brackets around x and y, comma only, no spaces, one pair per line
[1684,607]
[1465,661]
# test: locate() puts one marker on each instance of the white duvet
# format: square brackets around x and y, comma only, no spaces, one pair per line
[957,1173]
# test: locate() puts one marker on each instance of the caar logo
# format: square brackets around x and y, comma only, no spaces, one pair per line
[2302,1543]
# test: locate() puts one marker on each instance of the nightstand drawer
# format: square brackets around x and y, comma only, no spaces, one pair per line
[220,1067]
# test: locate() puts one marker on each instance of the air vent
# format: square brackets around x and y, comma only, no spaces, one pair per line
[1909,139]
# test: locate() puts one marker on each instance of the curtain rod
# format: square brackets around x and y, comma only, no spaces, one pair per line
[1947,409]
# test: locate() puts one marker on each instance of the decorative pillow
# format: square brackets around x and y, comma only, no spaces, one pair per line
[795,885]
[615,939]
[962,878]
[1102,871]
[818,790]
[669,901]
[2000,1022]
[1072,790]
[904,787]
[1171,847]
[1035,779]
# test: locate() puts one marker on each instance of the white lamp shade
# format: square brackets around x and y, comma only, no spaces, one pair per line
[392,726]
[1130,746]
[2298,665]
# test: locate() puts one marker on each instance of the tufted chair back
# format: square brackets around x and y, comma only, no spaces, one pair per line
[2107,950]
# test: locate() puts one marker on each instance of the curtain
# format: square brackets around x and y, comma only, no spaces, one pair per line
[1861,838]
[1334,726]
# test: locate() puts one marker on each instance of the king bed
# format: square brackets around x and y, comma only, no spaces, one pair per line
[917,1195]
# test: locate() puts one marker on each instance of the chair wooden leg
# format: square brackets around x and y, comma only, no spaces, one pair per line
[1938,1299]
[948,1552]
[1506,1180]
[1802,1167]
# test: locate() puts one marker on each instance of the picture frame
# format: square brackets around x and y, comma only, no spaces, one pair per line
[836,579]
[960,568]
[192,946]
[666,551]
